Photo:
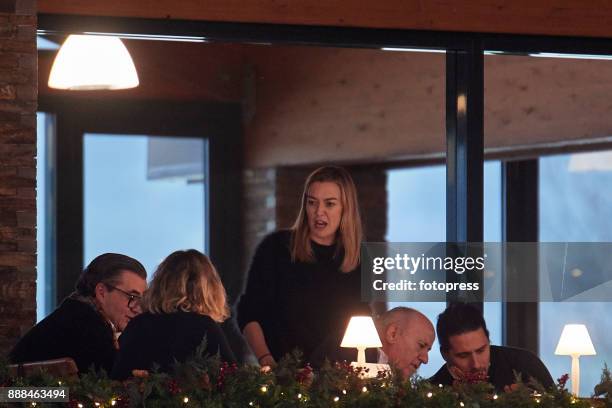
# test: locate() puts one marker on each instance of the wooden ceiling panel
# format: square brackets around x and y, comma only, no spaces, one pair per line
[561,18]
[315,104]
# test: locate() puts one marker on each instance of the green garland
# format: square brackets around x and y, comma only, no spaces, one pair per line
[206,382]
[604,388]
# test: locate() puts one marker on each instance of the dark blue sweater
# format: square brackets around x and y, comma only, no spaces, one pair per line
[162,339]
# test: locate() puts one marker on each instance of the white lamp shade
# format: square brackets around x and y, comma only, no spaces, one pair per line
[91,62]
[575,340]
[361,333]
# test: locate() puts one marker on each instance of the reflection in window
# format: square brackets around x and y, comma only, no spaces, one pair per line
[45,187]
[417,213]
[143,196]
[576,206]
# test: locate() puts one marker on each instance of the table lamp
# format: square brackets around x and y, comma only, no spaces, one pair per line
[361,334]
[575,342]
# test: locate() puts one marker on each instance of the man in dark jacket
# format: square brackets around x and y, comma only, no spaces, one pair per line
[86,325]
[465,346]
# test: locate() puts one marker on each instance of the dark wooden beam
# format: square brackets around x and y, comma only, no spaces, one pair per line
[465,145]
[7,6]
[541,17]
[521,277]
[464,161]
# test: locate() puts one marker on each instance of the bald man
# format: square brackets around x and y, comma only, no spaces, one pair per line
[406,336]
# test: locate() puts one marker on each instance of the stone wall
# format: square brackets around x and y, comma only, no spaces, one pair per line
[18,99]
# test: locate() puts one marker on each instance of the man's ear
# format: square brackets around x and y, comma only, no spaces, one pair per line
[392,333]
[100,291]
[444,354]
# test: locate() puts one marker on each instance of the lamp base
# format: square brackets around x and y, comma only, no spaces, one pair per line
[575,375]
[371,369]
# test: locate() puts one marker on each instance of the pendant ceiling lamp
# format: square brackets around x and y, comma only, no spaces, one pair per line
[93,62]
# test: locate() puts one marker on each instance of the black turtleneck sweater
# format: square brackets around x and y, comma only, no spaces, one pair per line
[298,304]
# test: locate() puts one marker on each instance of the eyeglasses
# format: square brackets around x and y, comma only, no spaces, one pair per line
[133,300]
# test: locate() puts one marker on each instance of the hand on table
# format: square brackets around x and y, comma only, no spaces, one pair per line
[267,361]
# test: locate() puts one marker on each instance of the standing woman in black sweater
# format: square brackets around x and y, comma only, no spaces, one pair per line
[183,305]
[304,283]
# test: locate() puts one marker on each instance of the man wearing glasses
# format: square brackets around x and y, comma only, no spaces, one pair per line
[86,325]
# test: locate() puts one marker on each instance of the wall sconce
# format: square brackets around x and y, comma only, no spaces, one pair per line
[93,62]
[575,342]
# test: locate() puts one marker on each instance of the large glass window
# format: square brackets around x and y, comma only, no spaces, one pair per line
[576,206]
[143,196]
[417,213]
[546,101]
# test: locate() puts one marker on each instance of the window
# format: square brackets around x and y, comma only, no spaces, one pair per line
[417,213]
[576,206]
[144,196]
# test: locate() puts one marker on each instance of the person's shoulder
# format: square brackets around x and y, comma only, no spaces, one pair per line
[195,323]
[282,236]
[179,319]
[511,351]
[73,306]
[209,324]
[145,325]
[523,361]
[191,317]
[442,376]
[513,354]
[276,240]
[158,321]
[72,320]
[74,313]
[143,319]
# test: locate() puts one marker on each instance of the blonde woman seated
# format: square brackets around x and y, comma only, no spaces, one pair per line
[184,303]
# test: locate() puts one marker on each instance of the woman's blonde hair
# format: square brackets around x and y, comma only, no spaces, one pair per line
[187,281]
[349,234]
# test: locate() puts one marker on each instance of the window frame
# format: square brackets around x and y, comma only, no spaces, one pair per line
[219,124]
